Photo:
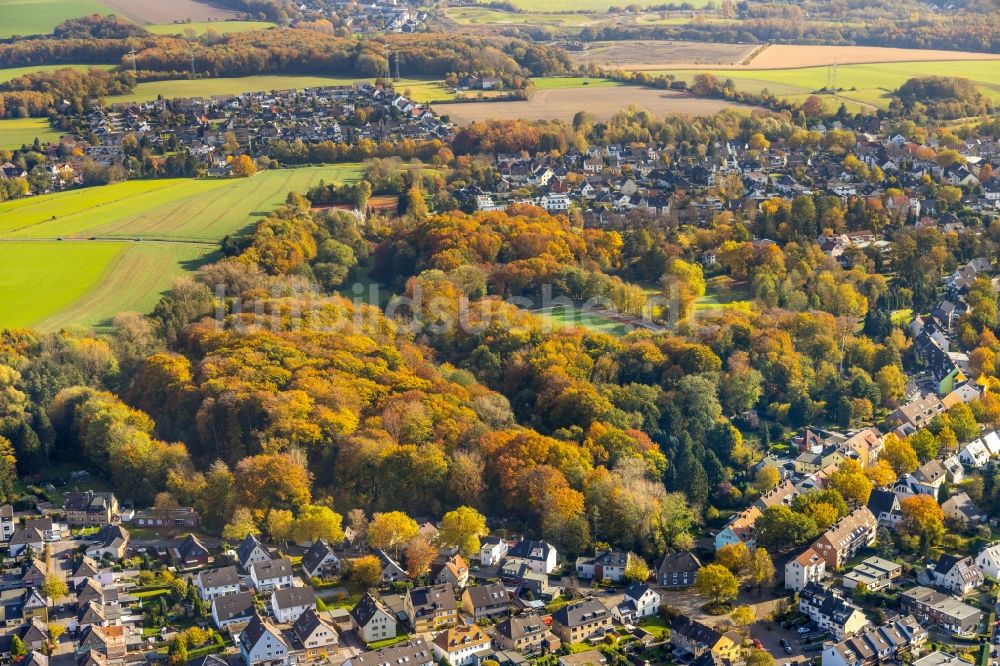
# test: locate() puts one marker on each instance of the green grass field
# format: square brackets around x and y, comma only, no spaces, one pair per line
[145,234]
[201,27]
[15,132]
[424,90]
[560,82]
[560,317]
[864,85]
[723,292]
[39,17]
[14,72]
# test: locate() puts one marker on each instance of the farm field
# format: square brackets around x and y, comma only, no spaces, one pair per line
[424,90]
[560,82]
[14,72]
[486,16]
[39,17]
[147,11]
[15,132]
[553,6]
[145,234]
[201,27]
[777,56]
[602,102]
[177,209]
[645,55]
[864,85]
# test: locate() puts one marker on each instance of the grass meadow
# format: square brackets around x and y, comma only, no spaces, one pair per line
[39,17]
[15,132]
[123,244]
[865,86]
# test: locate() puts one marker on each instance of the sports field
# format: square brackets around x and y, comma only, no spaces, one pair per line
[39,17]
[867,86]
[123,244]
[201,27]
[15,132]
[424,90]
[570,317]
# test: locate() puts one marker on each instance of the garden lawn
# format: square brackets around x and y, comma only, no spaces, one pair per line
[39,17]
[16,132]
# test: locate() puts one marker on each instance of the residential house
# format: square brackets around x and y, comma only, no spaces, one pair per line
[959,575]
[266,576]
[261,643]
[372,621]
[676,570]
[451,569]
[739,529]
[889,643]
[884,505]
[492,551]
[217,582]
[24,538]
[581,620]
[34,634]
[988,560]
[391,571]
[110,541]
[430,608]
[108,641]
[604,565]
[846,537]
[34,604]
[808,567]
[411,653]
[830,611]
[932,607]
[7,524]
[866,444]
[485,601]
[526,634]
[320,561]
[812,461]
[962,509]
[875,573]
[916,414]
[539,556]
[697,639]
[640,601]
[33,573]
[190,553]
[91,508]
[87,568]
[232,609]
[288,603]
[250,552]
[314,635]
[461,645]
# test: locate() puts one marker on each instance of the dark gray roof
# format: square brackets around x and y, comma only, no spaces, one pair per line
[694,631]
[530,550]
[521,626]
[247,546]
[307,623]
[318,552]
[223,577]
[258,626]
[433,598]
[366,609]
[290,597]
[233,605]
[271,569]
[682,561]
[411,653]
[484,596]
[580,613]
